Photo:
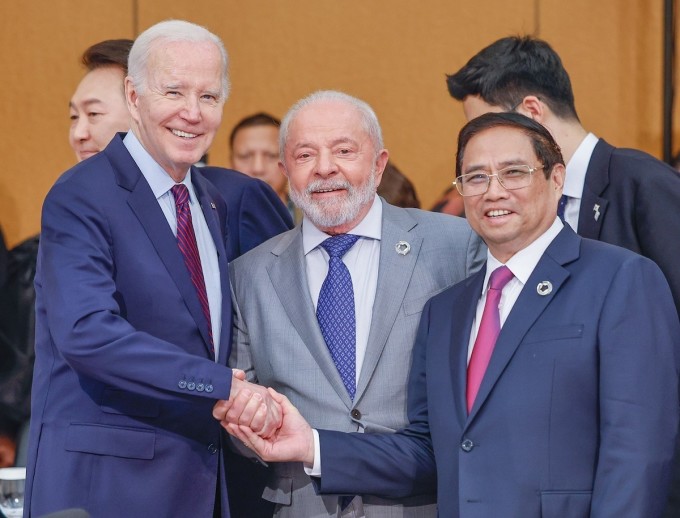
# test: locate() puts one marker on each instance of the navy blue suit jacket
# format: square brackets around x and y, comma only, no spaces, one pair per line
[576,415]
[124,381]
[255,212]
[631,199]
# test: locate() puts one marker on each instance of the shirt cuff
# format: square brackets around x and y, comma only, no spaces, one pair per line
[315,470]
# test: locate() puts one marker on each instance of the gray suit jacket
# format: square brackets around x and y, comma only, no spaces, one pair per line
[279,344]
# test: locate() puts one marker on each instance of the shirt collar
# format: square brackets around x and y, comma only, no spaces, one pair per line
[159,181]
[522,264]
[369,227]
[577,167]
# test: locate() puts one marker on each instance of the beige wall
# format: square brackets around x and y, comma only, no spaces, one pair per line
[392,53]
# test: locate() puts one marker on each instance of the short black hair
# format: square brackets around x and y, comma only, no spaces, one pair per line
[511,68]
[258,119]
[546,149]
[107,53]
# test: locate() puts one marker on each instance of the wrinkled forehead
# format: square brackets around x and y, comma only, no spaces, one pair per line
[103,84]
[498,146]
[325,121]
[186,60]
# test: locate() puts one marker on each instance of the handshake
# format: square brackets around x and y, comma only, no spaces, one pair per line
[266,422]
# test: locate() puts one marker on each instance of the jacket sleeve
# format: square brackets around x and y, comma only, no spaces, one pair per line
[639,344]
[387,465]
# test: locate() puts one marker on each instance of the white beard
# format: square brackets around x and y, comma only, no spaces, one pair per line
[329,213]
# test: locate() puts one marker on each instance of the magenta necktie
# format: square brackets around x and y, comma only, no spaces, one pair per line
[186,240]
[489,328]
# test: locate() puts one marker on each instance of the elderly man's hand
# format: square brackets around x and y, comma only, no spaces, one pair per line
[249,405]
[293,442]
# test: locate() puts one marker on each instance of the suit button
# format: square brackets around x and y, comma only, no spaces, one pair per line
[200,387]
[467,445]
[355,413]
[191,385]
[182,384]
[212,449]
[208,388]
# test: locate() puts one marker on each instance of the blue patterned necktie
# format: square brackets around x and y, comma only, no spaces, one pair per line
[335,310]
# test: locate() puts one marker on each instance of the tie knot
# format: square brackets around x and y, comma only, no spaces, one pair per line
[337,246]
[181,194]
[499,278]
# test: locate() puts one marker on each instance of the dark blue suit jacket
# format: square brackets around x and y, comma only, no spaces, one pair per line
[631,199]
[577,413]
[124,382]
[255,212]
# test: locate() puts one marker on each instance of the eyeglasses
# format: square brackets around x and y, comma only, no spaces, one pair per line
[511,178]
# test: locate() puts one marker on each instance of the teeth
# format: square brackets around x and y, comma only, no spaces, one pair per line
[184,134]
[325,190]
[496,213]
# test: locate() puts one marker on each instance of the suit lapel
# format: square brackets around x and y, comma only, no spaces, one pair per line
[212,217]
[462,316]
[527,309]
[593,206]
[145,206]
[394,274]
[289,279]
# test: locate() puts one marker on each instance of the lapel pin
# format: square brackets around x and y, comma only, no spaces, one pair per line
[402,248]
[212,204]
[596,210]
[544,288]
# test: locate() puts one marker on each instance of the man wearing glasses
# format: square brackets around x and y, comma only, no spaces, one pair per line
[545,385]
[620,196]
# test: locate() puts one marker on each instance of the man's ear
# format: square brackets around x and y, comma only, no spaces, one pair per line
[558,174]
[532,107]
[131,98]
[380,164]
[283,170]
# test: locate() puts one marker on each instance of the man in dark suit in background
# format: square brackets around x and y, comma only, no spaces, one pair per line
[546,385]
[133,309]
[619,196]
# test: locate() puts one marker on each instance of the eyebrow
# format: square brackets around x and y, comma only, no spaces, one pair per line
[502,165]
[86,102]
[341,140]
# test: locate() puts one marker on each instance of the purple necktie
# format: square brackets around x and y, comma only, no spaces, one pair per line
[489,328]
[186,240]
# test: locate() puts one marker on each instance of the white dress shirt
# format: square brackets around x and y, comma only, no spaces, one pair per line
[576,178]
[161,183]
[521,265]
[362,261]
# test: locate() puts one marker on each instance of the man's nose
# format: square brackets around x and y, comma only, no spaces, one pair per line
[192,109]
[325,163]
[81,129]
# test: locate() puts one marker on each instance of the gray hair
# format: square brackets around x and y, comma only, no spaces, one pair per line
[368,116]
[169,31]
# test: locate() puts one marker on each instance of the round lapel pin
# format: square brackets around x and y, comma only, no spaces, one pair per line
[402,248]
[544,288]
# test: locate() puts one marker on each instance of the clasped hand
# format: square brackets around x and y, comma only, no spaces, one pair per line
[249,405]
[266,422]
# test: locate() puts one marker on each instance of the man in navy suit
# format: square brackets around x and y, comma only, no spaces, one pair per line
[619,196]
[576,412]
[134,321]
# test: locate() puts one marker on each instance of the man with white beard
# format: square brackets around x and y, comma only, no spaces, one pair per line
[326,313]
